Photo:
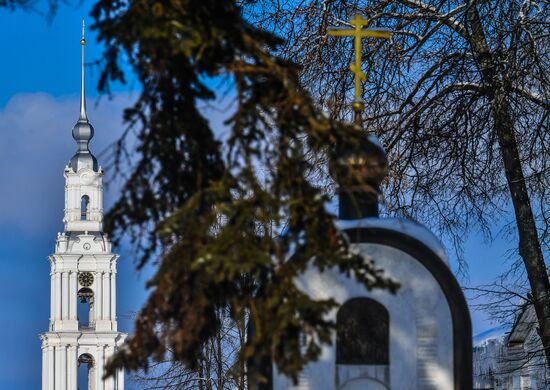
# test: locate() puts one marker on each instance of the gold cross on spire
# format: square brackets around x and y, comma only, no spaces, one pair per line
[358,32]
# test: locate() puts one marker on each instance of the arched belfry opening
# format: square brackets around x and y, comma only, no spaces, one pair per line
[86,371]
[362,345]
[85,310]
[84,207]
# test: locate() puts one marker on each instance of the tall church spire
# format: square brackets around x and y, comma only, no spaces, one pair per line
[83,131]
[83,331]
[83,115]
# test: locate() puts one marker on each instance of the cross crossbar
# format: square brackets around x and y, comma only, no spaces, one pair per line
[358,33]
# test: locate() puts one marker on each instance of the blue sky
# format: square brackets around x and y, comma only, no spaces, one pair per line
[39,86]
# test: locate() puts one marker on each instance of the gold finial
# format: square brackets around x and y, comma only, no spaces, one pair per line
[358,32]
[83,40]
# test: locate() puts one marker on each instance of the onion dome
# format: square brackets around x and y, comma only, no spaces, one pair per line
[83,131]
[359,171]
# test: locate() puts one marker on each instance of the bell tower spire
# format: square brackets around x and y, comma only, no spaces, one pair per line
[83,176]
[83,131]
[83,329]
[83,115]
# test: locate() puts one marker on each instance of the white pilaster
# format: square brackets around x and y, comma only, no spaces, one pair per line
[99,301]
[109,382]
[53,302]
[101,363]
[45,371]
[63,366]
[120,380]
[92,380]
[51,367]
[57,277]
[106,296]
[72,368]
[65,296]
[58,368]
[73,288]
[112,314]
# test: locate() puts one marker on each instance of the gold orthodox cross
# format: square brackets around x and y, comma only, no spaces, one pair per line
[358,33]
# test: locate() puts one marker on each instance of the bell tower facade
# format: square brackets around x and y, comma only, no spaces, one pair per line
[82,333]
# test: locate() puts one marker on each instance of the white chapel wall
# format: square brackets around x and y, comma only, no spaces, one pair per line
[419,308]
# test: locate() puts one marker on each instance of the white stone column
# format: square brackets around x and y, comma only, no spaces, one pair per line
[44,368]
[65,296]
[100,384]
[51,367]
[109,382]
[92,373]
[72,367]
[58,368]
[91,313]
[100,200]
[57,277]
[52,300]
[106,295]
[73,286]
[63,364]
[120,380]
[98,302]
[113,296]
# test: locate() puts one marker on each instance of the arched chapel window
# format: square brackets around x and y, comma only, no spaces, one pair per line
[363,333]
[84,207]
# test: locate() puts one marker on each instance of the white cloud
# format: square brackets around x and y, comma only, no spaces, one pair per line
[35,145]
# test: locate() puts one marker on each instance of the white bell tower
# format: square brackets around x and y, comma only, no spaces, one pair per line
[82,332]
